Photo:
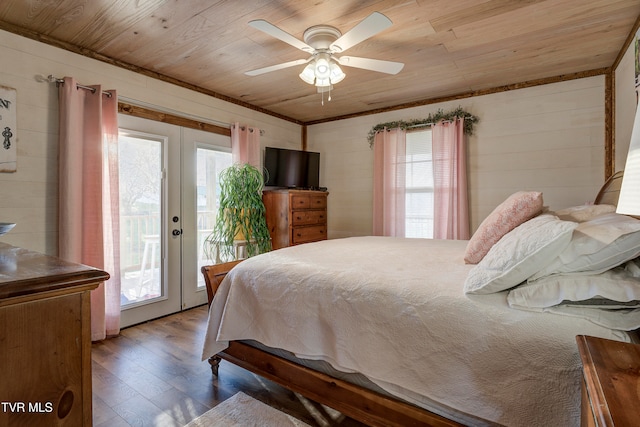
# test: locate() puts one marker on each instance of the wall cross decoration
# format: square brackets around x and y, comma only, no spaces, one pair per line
[8,130]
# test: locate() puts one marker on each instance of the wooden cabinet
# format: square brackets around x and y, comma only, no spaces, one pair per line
[611,382]
[45,339]
[295,216]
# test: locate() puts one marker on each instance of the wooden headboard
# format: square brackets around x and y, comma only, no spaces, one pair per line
[610,191]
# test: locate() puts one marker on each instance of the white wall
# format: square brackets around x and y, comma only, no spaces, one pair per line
[548,138]
[29,196]
[625,106]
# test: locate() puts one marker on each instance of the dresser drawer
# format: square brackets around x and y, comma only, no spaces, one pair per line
[308,217]
[307,201]
[318,202]
[308,234]
[300,201]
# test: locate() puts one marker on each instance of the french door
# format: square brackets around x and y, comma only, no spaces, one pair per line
[167,205]
[205,154]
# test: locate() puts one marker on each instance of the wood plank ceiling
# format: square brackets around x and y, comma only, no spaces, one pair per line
[449,47]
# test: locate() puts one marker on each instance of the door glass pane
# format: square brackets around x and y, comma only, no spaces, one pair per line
[209,164]
[140,164]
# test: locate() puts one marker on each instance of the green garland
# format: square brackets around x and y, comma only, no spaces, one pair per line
[469,121]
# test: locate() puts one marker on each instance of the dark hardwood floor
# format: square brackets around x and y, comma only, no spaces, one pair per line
[152,375]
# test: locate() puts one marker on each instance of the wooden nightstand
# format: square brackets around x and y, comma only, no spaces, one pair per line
[611,386]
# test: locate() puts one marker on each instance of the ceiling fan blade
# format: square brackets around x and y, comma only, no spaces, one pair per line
[368,27]
[277,67]
[272,30]
[388,67]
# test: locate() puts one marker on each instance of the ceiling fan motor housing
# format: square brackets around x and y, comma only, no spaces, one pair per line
[320,37]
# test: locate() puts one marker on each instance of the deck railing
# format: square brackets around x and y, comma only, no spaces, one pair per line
[135,227]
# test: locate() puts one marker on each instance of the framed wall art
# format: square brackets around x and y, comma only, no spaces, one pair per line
[8,130]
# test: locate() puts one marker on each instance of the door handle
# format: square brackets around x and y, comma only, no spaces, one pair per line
[176,232]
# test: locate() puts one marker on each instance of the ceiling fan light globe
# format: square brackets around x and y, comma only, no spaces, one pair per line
[308,74]
[336,75]
[322,68]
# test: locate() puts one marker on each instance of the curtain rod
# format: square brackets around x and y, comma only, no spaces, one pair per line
[58,81]
[251,128]
[51,79]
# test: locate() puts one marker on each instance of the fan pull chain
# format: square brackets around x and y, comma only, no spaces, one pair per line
[328,99]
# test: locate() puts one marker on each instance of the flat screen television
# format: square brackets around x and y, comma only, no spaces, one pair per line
[291,168]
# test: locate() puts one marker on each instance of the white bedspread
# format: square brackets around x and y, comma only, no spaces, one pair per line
[394,310]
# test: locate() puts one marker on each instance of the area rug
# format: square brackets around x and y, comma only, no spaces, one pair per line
[241,410]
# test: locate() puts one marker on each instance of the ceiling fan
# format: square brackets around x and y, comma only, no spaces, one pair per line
[325,43]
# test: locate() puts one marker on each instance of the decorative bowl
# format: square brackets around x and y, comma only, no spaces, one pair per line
[5,227]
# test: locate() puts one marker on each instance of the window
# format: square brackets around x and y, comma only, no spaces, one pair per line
[141,165]
[210,162]
[419,185]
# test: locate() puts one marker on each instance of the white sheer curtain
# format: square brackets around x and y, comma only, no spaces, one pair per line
[245,145]
[88,194]
[389,176]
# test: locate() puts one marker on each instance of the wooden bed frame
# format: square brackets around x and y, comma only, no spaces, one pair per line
[364,405]
[356,402]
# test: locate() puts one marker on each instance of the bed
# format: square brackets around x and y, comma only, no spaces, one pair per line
[394,331]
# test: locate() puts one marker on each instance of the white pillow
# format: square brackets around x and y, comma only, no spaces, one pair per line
[613,289]
[597,245]
[623,320]
[584,213]
[519,254]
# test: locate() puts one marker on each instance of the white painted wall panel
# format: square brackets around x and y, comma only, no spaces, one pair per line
[625,105]
[547,138]
[29,196]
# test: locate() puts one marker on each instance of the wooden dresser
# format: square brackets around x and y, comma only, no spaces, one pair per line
[295,216]
[45,339]
[611,382]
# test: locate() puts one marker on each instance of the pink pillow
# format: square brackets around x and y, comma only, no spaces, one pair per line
[517,209]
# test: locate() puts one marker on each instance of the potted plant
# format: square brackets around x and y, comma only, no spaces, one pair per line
[241,215]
